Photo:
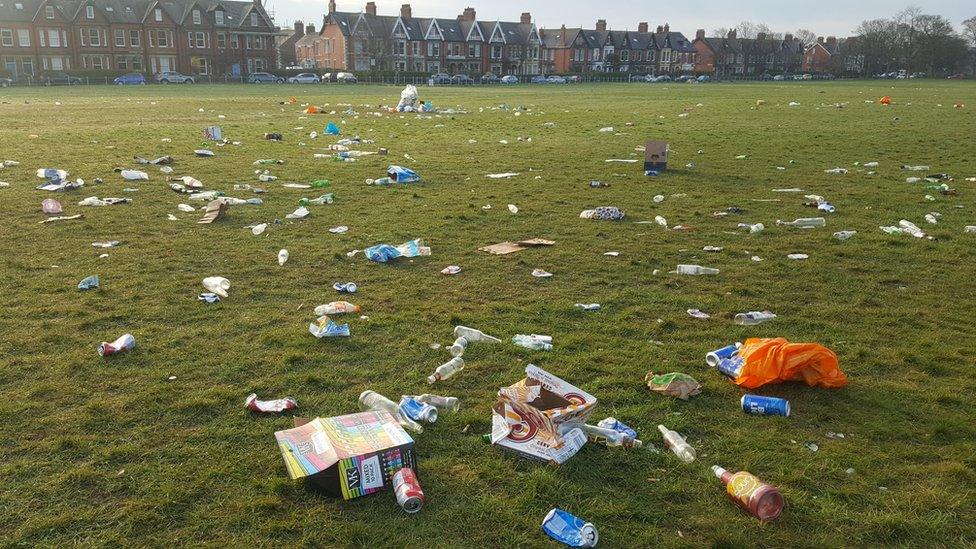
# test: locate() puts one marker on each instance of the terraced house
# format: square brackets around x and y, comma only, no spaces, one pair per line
[600,50]
[367,41]
[197,37]
[727,56]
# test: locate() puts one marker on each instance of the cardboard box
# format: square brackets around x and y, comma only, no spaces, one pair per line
[348,456]
[655,156]
[528,416]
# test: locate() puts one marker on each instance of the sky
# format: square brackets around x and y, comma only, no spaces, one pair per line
[823,17]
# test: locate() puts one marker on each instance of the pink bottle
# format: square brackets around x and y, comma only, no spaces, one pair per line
[755,496]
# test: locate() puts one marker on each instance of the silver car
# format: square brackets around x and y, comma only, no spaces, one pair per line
[305,78]
[173,77]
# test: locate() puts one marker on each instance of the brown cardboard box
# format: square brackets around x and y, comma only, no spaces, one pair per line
[655,156]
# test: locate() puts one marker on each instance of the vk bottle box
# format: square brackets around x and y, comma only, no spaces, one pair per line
[348,456]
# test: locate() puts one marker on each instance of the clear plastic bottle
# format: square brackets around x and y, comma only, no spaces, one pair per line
[371,400]
[610,437]
[282,257]
[267,177]
[754,228]
[753,318]
[804,223]
[676,443]
[661,221]
[534,342]
[761,500]
[696,270]
[457,348]
[844,235]
[446,370]
[451,404]
[473,335]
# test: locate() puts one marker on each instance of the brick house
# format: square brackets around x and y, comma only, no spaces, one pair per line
[822,56]
[204,37]
[285,44]
[730,55]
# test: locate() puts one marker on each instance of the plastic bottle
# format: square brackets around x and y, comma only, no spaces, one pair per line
[451,404]
[804,223]
[533,341]
[610,437]
[661,221]
[756,228]
[446,370]
[282,257]
[324,199]
[844,235]
[217,284]
[753,318]
[911,228]
[761,500]
[371,400]
[320,183]
[336,308]
[381,181]
[473,335]
[457,348]
[266,177]
[696,270]
[676,443]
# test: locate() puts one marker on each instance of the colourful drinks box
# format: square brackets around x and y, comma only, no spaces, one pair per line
[348,456]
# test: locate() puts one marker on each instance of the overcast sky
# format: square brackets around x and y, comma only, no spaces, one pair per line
[825,17]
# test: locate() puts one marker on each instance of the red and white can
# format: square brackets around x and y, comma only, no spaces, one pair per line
[124,343]
[407,489]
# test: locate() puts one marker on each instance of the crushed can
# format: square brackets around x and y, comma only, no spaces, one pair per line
[408,492]
[120,345]
[418,411]
[269,406]
[731,367]
[566,528]
[765,406]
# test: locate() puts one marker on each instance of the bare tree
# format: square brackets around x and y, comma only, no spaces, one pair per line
[746,29]
[805,36]
[722,32]
[969,31]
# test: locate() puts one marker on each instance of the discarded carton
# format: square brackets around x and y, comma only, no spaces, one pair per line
[655,156]
[504,248]
[528,416]
[348,456]
[212,133]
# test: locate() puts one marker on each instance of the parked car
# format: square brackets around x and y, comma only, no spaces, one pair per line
[640,78]
[957,76]
[662,78]
[510,79]
[704,78]
[440,78]
[779,77]
[684,78]
[346,78]
[490,78]
[6,82]
[304,78]
[173,77]
[539,80]
[131,79]
[461,79]
[264,78]
[327,77]
[556,79]
[60,79]
[574,79]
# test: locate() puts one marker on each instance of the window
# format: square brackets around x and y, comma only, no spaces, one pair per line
[475,50]
[433,49]
[49,12]
[119,38]
[196,17]
[496,52]
[6,37]
[415,48]
[89,12]
[57,64]
[134,38]
[624,55]
[162,39]
[23,37]
[54,38]
[28,65]
[219,17]
[259,64]
[201,39]
[234,43]
[123,63]
[399,48]
[158,15]
[97,63]
[137,64]
[40,35]
[221,40]
[254,19]
[94,38]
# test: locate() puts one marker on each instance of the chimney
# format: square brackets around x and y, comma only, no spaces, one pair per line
[371,8]
[788,38]
[667,28]
[526,18]
[601,25]
[299,28]
[642,26]
[310,29]
[332,6]
[733,34]
[660,29]
[832,40]
[562,35]
[468,15]
[761,37]
[405,12]
[820,40]
[700,35]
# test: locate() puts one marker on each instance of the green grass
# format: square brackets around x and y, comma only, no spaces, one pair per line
[107,451]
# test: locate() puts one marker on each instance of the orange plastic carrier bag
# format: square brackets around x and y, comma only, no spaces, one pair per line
[776,360]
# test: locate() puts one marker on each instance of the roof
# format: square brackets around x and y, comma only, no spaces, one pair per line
[10,12]
[346,21]
[451,30]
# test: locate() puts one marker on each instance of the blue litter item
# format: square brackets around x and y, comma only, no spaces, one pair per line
[89,283]
[332,129]
[617,425]
[345,287]
[209,297]
[381,253]
[566,528]
[399,174]
[325,327]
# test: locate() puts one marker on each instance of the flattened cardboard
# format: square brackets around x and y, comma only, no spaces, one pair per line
[505,248]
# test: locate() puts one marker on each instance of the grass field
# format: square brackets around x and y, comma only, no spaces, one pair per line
[109,451]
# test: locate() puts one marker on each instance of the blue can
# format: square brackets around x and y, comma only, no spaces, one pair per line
[731,366]
[418,411]
[571,530]
[716,356]
[617,425]
[765,406]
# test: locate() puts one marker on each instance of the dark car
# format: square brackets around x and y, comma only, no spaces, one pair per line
[6,82]
[440,78]
[60,79]
[490,78]
[957,76]
[131,79]
[539,80]
[461,79]
[264,77]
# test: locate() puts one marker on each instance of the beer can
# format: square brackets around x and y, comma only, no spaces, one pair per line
[765,406]
[418,411]
[124,343]
[715,357]
[731,366]
[408,492]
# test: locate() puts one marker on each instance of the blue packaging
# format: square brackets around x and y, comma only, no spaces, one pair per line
[418,411]
[731,366]
[617,425]
[565,528]
[716,356]
[765,406]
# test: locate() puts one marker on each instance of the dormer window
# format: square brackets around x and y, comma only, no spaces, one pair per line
[18,6]
[158,15]
[219,17]
[254,19]
[89,12]
[196,17]
[49,12]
